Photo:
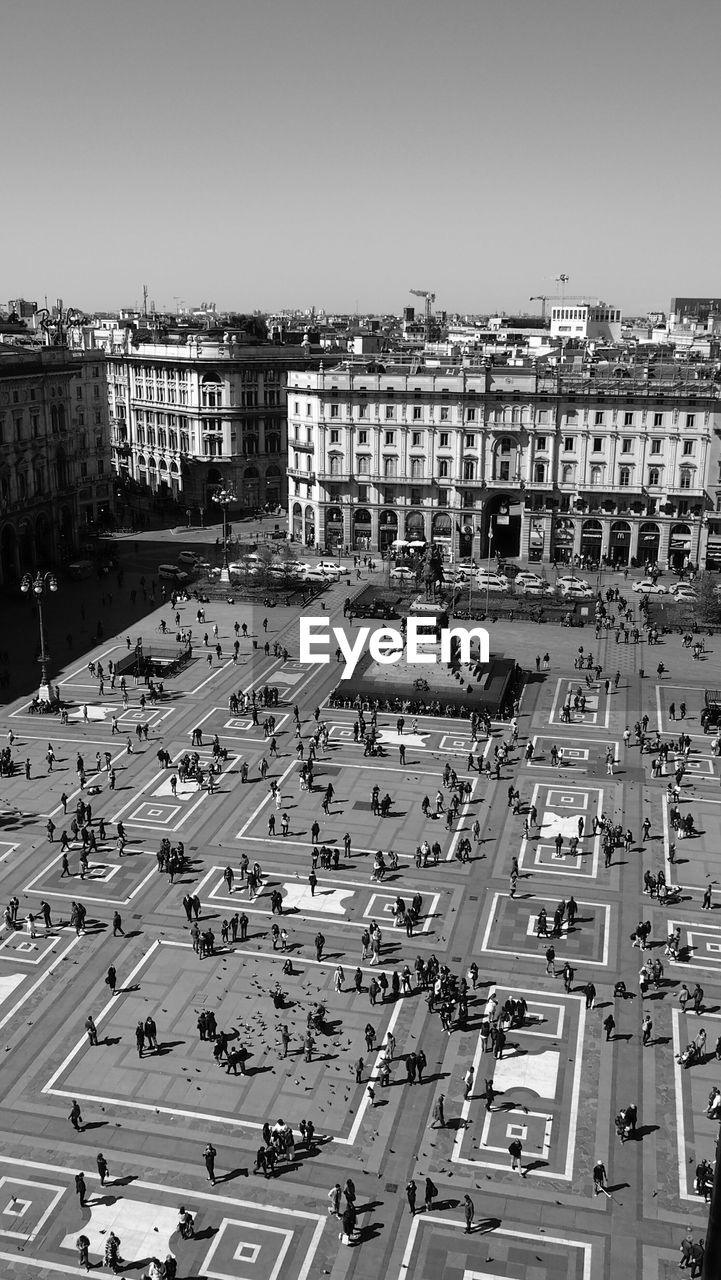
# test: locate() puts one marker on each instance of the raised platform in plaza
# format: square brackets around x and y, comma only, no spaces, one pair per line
[478,686]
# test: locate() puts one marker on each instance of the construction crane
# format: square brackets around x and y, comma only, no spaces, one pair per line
[543,298]
[430,299]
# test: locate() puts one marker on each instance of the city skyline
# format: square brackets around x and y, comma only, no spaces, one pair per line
[323,155]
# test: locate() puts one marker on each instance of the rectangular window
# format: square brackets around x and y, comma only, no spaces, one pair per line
[688,448]
[335,410]
[626,446]
[445,414]
[655,446]
[690,419]
[363,411]
[417,439]
[569,444]
[390,412]
[390,437]
[628,419]
[443,440]
[598,444]
[541,445]
[471,415]
[335,437]
[470,441]
[363,437]
[417,413]
[599,418]
[504,471]
[308,410]
[658,419]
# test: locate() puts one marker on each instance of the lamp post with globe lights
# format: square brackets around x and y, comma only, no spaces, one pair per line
[41,583]
[224,497]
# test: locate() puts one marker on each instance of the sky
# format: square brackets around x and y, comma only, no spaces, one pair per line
[294,153]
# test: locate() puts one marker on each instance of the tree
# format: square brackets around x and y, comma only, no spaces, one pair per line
[708,604]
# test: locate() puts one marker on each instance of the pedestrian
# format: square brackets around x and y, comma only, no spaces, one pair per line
[76,1118]
[646,1029]
[439,1119]
[468,1213]
[334,1196]
[80,1188]
[515,1150]
[209,1159]
[411,1196]
[599,1177]
[102,1168]
[111,979]
[609,1025]
[468,1082]
[431,1191]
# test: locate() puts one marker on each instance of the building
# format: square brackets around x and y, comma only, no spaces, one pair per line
[195,414]
[54,458]
[585,321]
[613,463]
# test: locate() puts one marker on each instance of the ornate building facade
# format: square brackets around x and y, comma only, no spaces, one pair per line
[608,463]
[54,456]
[193,416]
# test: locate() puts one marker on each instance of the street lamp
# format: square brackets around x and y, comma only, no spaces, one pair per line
[224,497]
[490,546]
[38,585]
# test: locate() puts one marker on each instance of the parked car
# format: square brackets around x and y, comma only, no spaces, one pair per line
[190,558]
[649,587]
[173,573]
[684,594]
[492,582]
[576,591]
[681,588]
[526,588]
[525,575]
[402,573]
[570,582]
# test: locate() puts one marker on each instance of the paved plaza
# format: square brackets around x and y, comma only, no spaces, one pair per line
[299,943]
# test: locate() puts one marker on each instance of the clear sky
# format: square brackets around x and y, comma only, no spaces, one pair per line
[270,153]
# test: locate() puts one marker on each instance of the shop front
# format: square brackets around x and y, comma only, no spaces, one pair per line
[442,531]
[564,534]
[362,525]
[415,527]
[591,542]
[333,528]
[649,541]
[309,527]
[387,529]
[713,549]
[679,550]
[297,522]
[619,547]
[536,540]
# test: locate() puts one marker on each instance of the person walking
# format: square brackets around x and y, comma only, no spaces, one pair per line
[468,1082]
[76,1118]
[468,1213]
[439,1119]
[599,1177]
[102,1168]
[431,1191]
[80,1188]
[609,1025]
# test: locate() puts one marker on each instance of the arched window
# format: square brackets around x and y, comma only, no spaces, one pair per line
[686,478]
[566,475]
[469,470]
[540,473]
[390,467]
[654,477]
[443,468]
[624,477]
[211,391]
[336,464]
